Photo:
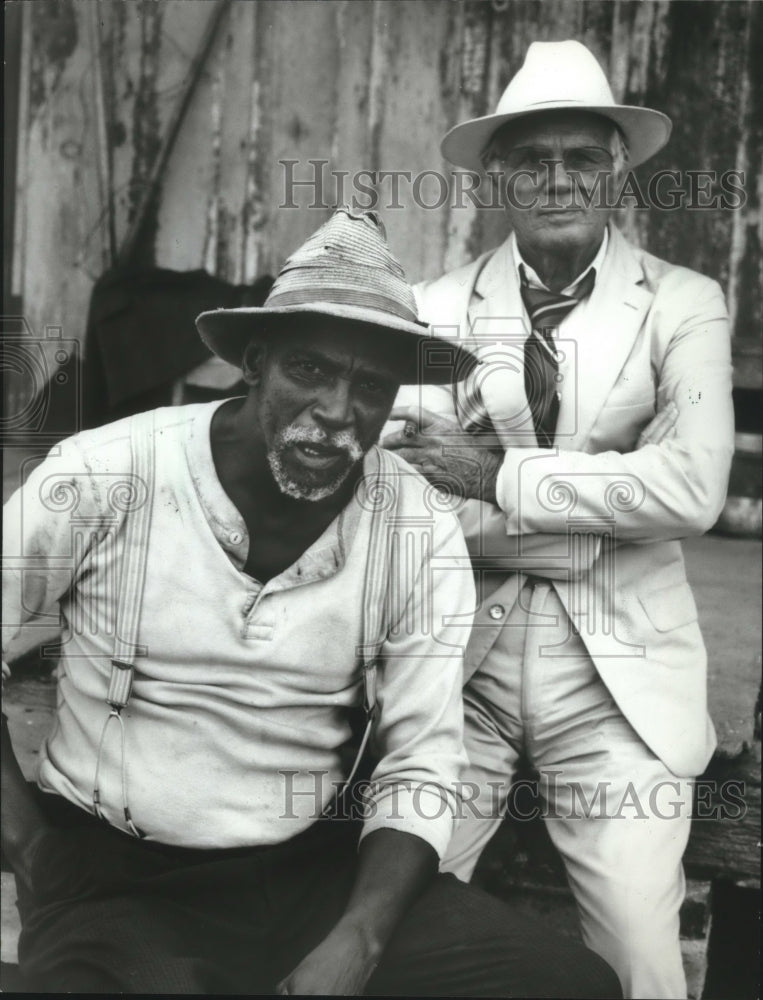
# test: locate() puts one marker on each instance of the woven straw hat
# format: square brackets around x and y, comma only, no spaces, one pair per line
[345,271]
[558,76]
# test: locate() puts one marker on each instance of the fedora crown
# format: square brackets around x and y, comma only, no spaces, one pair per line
[558,73]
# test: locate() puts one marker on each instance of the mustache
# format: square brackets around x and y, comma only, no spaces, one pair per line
[341,440]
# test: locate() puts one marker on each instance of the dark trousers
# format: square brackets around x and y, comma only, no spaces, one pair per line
[110,914]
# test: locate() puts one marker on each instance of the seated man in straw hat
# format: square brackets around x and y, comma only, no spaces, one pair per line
[597,431]
[234,579]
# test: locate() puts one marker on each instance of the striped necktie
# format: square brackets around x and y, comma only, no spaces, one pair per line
[546,311]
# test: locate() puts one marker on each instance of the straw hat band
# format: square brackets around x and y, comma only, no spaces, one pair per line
[345,296]
[352,271]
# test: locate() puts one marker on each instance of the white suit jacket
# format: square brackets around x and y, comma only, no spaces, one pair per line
[654,333]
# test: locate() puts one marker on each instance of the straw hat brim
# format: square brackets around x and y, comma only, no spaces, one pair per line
[646,131]
[425,359]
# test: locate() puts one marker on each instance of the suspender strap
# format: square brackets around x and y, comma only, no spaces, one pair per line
[376,609]
[132,581]
[135,552]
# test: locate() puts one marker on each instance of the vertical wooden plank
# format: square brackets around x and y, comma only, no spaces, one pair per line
[741,227]
[22,152]
[60,224]
[297,120]
[101,148]
[146,117]
[706,43]
[234,94]
[253,214]
[750,263]
[412,124]
[511,26]
[210,255]
[187,212]
[120,40]
[475,68]
[150,48]
[354,25]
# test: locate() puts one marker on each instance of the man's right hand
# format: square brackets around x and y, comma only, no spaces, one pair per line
[432,444]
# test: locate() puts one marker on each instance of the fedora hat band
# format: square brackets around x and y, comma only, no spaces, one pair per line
[341,296]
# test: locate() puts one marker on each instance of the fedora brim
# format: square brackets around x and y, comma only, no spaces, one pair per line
[424,359]
[646,131]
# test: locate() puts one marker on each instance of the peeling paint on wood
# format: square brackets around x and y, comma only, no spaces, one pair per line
[253,214]
[213,203]
[54,38]
[146,134]
[362,86]
[377,87]
[473,50]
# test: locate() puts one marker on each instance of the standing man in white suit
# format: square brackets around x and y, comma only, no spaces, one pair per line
[597,432]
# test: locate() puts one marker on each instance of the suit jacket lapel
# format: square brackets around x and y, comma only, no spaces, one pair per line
[498,328]
[614,317]
[497,322]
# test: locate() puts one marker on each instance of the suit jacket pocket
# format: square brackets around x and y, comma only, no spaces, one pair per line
[669,607]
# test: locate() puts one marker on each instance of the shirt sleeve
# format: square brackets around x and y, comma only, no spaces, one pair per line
[419,733]
[47,525]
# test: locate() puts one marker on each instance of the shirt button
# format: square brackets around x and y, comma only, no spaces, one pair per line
[496,611]
[235,537]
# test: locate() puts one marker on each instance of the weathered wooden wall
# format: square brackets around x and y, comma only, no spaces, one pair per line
[370,85]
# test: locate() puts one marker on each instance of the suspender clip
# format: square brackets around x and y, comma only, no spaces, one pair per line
[120,684]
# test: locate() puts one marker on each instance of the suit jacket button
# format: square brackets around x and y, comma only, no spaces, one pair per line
[496,611]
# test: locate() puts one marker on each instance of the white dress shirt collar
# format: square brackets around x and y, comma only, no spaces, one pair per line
[532,275]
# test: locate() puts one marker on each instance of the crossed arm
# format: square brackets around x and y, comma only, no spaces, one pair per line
[426,442]
[678,468]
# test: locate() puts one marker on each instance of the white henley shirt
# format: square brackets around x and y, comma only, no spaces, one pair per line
[238,713]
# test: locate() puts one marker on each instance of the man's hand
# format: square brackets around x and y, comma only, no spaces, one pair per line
[393,869]
[340,965]
[432,445]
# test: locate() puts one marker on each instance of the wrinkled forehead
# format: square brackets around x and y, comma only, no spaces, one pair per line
[345,346]
[571,128]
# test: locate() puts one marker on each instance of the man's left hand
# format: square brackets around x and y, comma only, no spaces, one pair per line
[431,444]
[340,965]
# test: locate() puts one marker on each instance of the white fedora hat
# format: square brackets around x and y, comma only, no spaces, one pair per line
[558,76]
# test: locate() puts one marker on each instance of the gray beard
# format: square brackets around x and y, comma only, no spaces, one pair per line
[303,490]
